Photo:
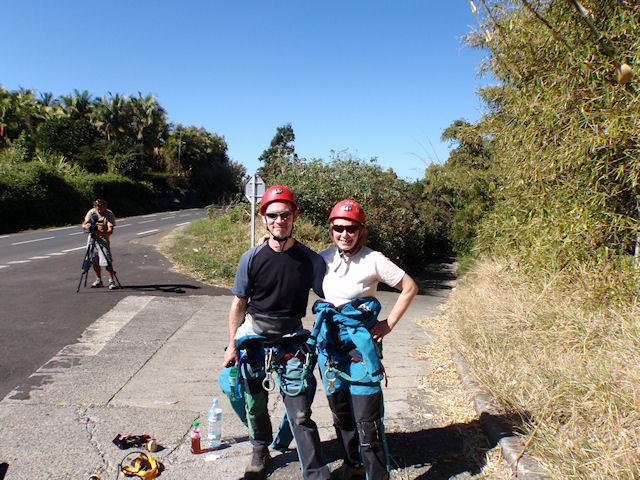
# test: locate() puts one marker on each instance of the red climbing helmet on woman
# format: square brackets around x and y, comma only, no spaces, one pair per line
[277,193]
[348,209]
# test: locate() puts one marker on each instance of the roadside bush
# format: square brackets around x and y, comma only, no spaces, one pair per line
[125,197]
[65,135]
[36,194]
[395,221]
[12,155]
[125,164]
[549,317]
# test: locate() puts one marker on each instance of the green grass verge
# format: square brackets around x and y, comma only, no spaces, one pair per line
[211,248]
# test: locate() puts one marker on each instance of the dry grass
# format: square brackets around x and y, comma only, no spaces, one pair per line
[542,348]
[455,404]
[442,382]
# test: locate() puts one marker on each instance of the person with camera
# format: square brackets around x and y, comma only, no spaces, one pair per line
[100,222]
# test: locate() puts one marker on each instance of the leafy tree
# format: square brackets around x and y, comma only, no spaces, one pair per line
[66,136]
[204,161]
[459,193]
[5,116]
[21,112]
[281,147]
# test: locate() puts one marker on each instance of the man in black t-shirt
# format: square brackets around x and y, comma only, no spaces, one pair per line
[271,293]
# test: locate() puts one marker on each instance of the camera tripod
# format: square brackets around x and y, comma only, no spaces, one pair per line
[88,261]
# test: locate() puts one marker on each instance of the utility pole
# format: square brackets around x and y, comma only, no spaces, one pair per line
[179,148]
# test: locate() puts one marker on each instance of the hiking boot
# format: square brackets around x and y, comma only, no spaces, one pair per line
[259,465]
[347,472]
[97,284]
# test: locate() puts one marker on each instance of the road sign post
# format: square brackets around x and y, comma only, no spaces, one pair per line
[254,190]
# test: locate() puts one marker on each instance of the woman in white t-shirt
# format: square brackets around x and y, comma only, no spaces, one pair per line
[353,389]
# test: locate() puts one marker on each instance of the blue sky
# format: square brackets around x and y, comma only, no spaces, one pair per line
[375,78]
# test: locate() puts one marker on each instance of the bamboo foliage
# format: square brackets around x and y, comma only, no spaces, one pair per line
[565,128]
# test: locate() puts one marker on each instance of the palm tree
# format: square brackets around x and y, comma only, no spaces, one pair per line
[144,111]
[5,113]
[110,114]
[80,105]
[50,106]
[26,112]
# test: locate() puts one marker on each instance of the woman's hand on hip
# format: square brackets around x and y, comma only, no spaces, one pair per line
[379,330]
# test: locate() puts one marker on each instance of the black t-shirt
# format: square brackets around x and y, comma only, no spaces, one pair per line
[278,283]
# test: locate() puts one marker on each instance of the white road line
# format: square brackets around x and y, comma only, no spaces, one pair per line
[183,223]
[61,228]
[55,254]
[74,249]
[168,218]
[123,225]
[4,266]
[5,236]
[148,231]
[76,233]
[14,262]
[38,257]
[31,241]
[100,332]
[148,221]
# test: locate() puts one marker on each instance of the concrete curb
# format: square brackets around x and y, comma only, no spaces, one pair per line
[511,447]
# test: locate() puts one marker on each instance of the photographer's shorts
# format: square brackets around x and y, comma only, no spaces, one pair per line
[102,256]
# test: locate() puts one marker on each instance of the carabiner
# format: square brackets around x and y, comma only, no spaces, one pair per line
[268,356]
[269,382]
[330,381]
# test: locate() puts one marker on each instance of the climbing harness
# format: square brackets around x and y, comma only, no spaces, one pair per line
[276,362]
[344,339]
[142,466]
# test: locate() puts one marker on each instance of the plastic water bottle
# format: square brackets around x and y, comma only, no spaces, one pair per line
[195,437]
[215,424]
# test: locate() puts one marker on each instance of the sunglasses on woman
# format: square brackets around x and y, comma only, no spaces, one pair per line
[348,228]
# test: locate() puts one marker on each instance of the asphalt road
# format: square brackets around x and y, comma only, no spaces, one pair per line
[40,311]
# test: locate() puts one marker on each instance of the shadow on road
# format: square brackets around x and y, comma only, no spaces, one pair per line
[161,288]
[435,277]
[449,451]
[445,452]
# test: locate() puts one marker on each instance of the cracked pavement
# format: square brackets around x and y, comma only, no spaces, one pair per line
[150,365]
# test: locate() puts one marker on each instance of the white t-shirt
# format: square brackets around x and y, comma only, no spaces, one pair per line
[357,276]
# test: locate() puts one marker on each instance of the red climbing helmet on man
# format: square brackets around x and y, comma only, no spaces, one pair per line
[277,193]
[348,209]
